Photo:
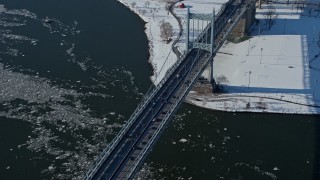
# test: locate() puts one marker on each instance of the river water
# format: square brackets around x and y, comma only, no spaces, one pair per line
[67,87]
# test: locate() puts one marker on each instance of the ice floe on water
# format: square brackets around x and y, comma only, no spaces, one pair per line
[6,37]
[82,63]
[55,113]
[19,12]
[56,26]
[154,171]
[66,131]
[11,52]
[19,17]
[10,24]
[13,18]
[183,140]
[276,169]
[257,169]
[17,37]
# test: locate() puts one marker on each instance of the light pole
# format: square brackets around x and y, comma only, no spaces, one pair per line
[284,26]
[259,4]
[248,47]
[261,55]
[249,79]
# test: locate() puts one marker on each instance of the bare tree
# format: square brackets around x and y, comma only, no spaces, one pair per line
[270,17]
[261,104]
[143,11]
[152,10]
[221,79]
[167,8]
[133,4]
[218,88]
[225,104]
[248,105]
[147,4]
[166,31]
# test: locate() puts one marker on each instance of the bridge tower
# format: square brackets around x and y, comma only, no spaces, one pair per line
[197,26]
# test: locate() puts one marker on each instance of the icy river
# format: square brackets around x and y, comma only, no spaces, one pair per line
[68,85]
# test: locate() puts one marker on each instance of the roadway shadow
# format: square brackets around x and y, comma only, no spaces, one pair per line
[246,89]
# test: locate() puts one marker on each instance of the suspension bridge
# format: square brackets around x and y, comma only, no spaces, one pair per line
[122,157]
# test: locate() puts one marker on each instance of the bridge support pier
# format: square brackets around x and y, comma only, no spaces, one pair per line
[213,19]
[212,80]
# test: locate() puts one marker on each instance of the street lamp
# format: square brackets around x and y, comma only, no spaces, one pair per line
[284,26]
[248,48]
[261,55]
[249,79]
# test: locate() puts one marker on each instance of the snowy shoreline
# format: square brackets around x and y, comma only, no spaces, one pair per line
[302,99]
[152,14]
[257,105]
[250,111]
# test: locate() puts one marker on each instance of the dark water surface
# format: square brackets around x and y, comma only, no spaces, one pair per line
[238,146]
[67,87]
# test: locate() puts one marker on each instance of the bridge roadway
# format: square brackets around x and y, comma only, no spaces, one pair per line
[133,145]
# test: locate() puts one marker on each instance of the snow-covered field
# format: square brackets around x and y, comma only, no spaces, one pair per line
[276,70]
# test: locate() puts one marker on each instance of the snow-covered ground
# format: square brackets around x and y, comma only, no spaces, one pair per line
[277,70]
[154,12]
